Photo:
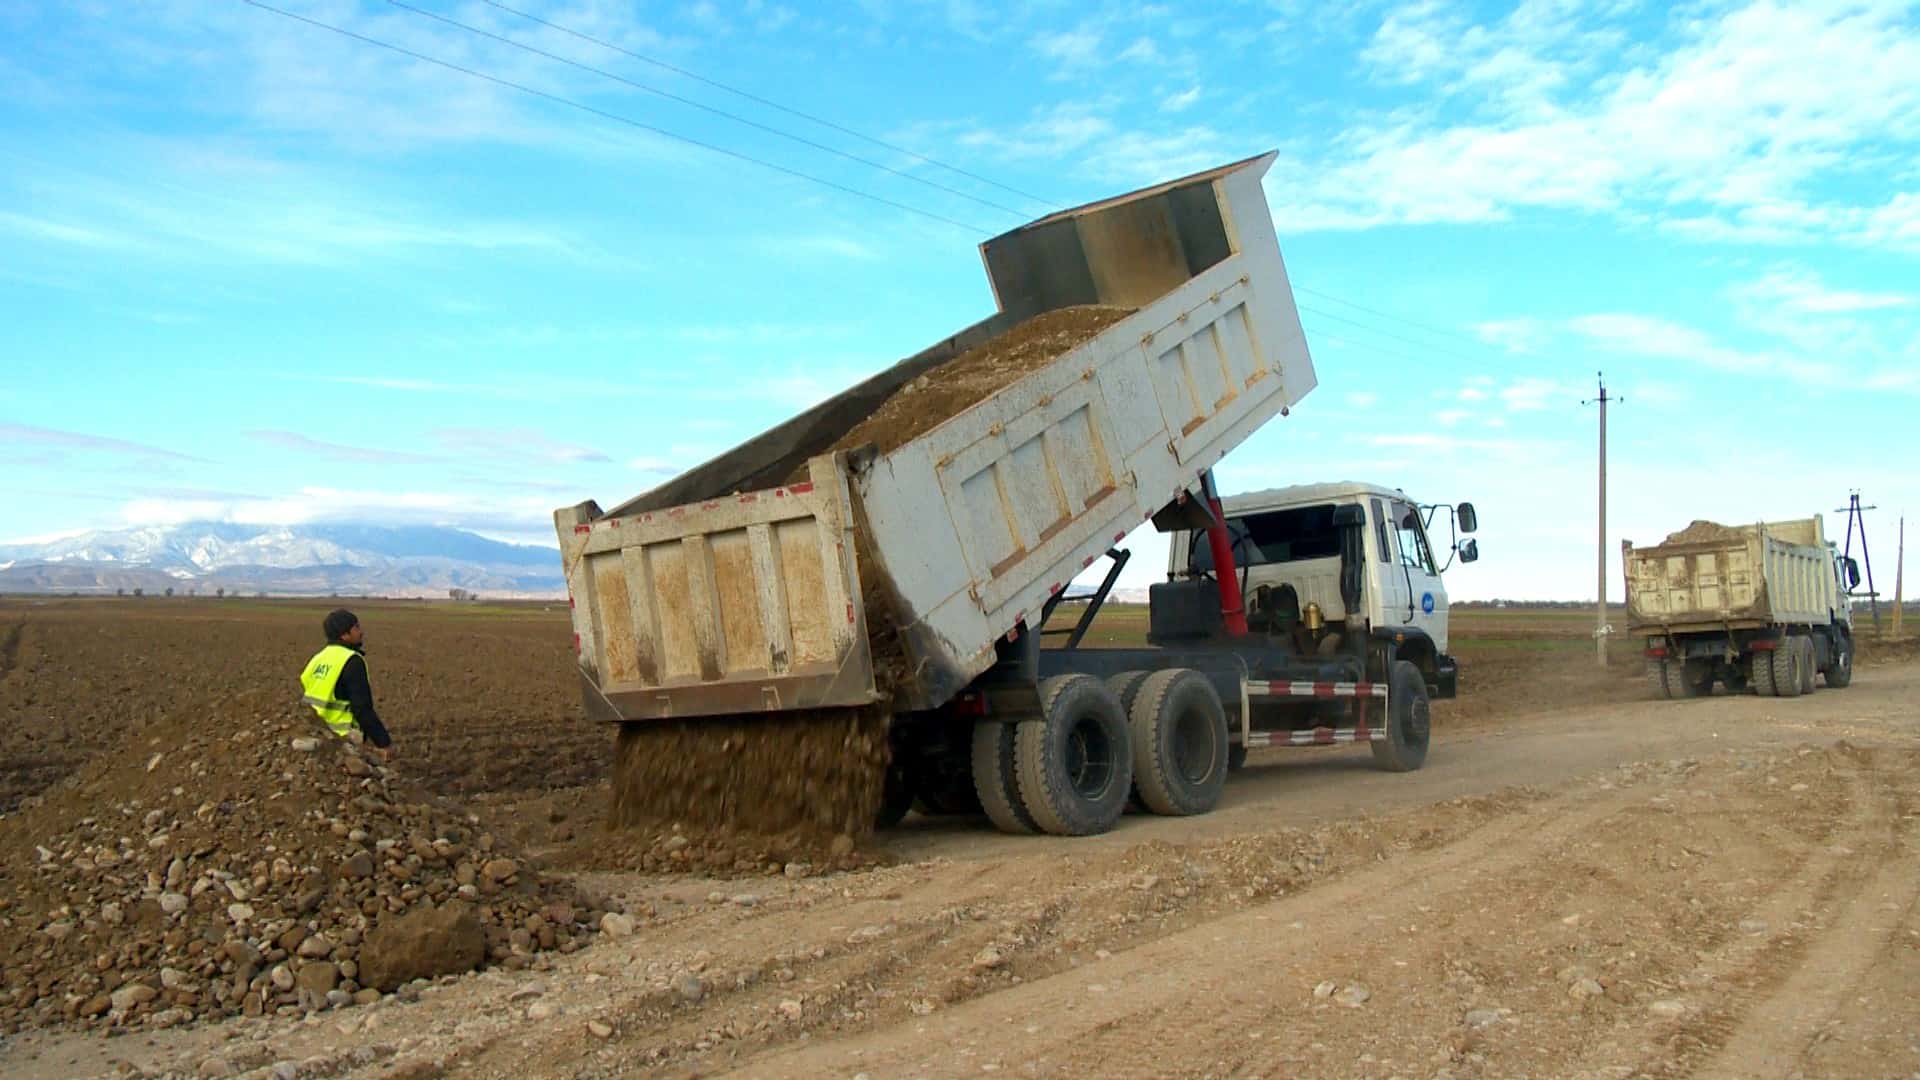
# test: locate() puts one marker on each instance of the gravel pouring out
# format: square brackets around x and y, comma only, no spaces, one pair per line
[817,776]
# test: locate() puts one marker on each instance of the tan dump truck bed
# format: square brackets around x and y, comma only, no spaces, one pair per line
[1712,577]
[781,574]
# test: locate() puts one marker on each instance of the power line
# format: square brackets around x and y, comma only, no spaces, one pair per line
[798,174]
[758,100]
[1430,347]
[689,102]
[1388,315]
[1365,346]
[615,117]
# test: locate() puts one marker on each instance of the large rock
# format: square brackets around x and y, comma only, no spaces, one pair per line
[422,944]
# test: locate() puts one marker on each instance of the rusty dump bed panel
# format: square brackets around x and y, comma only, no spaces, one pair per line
[1713,577]
[723,591]
[744,603]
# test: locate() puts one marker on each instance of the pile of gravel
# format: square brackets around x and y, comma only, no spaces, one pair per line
[250,865]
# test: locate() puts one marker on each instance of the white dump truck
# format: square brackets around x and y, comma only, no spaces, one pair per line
[798,574]
[1761,607]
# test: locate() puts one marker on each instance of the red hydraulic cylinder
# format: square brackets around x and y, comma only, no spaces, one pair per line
[1233,608]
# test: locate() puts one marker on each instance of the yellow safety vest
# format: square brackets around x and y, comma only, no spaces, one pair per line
[318,680]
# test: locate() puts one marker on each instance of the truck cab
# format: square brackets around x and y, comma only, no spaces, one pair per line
[1331,567]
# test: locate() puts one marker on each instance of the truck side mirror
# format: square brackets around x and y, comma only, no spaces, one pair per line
[1853,574]
[1349,516]
[1469,551]
[1469,521]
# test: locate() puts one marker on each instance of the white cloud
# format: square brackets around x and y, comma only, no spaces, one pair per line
[1181,101]
[1532,394]
[1512,335]
[1070,49]
[515,444]
[1647,337]
[320,503]
[1724,130]
[1363,399]
[1803,293]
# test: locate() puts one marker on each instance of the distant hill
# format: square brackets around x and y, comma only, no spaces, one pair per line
[305,560]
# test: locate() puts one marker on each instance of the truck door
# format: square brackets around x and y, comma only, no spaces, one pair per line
[1425,600]
[1390,598]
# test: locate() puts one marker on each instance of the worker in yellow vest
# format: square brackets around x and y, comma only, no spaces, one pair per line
[336,685]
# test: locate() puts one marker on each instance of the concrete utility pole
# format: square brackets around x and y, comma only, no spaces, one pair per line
[1600,627]
[1899,576]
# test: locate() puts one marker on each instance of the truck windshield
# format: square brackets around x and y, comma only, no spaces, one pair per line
[1278,536]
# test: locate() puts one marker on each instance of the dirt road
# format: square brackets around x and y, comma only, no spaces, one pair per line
[1717,888]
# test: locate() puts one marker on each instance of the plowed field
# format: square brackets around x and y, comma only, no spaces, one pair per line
[1581,882]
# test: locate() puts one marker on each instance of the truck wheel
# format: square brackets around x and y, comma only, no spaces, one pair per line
[1408,722]
[1761,666]
[1660,677]
[993,777]
[1786,667]
[1808,664]
[1074,764]
[896,797]
[1126,687]
[1179,734]
[1840,672]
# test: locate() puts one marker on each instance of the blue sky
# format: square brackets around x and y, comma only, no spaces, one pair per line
[254,270]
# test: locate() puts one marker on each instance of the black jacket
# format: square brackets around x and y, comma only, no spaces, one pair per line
[353,688]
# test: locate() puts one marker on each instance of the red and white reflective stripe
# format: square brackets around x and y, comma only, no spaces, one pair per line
[1317,689]
[1320,736]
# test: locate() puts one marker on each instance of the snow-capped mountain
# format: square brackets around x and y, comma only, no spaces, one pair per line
[298,559]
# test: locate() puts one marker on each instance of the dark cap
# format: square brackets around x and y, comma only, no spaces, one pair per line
[338,622]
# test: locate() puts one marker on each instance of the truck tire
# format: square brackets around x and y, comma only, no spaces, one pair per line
[1409,724]
[1179,735]
[1809,662]
[896,797]
[1073,763]
[1760,664]
[1659,676]
[1840,672]
[993,744]
[1126,687]
[1786,667]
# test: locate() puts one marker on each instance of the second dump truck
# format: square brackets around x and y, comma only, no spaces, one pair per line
[1760,607]
[806,575]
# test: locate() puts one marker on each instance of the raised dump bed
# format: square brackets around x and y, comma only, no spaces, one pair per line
[827,563]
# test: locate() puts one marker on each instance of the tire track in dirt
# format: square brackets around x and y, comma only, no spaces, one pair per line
[1776,1030]
[1742,971]
[1092,1014]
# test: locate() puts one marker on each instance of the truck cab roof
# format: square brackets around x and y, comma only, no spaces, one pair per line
[1305,495]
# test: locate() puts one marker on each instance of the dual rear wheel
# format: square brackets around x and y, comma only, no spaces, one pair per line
[1160,738]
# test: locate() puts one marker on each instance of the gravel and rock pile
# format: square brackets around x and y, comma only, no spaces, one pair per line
[237,864]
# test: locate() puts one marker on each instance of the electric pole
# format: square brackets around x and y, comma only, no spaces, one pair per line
[1899,576]
[1600,627]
